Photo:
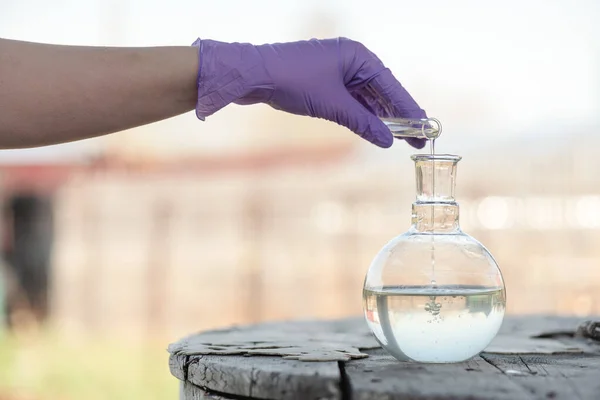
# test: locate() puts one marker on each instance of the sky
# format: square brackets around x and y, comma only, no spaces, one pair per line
[492,69]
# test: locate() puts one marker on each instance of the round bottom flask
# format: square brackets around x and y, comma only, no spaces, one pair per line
[434,294]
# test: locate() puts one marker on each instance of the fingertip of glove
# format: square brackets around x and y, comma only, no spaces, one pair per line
[199,115]
[382,139]
[384,142]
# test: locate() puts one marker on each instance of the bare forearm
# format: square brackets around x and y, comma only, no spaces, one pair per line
[53,94]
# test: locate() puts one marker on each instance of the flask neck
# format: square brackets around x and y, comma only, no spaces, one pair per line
[435,218]
[435,177]
[435,209]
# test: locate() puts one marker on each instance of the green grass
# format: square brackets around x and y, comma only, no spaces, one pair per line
[46,367]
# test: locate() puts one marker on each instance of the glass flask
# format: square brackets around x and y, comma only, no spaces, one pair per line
[434,294]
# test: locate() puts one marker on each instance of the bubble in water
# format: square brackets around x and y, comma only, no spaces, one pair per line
[432,307]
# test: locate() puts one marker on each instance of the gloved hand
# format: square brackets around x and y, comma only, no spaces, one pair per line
[339,80]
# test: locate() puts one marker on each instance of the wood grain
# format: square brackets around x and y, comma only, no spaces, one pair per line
[533,357]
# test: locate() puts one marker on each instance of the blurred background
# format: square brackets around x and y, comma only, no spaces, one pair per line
[114,247]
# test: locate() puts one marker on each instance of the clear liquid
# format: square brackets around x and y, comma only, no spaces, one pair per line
[437,325]
[406,127]
[433,282]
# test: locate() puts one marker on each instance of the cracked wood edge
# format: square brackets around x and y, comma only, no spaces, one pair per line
[266,377]
[178,364]
[189,391]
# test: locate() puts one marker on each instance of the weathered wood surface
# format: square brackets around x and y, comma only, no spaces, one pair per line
[189,391]
[533,357]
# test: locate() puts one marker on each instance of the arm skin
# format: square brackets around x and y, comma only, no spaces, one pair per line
[52,94]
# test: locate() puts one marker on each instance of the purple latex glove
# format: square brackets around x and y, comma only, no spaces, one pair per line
[339,80]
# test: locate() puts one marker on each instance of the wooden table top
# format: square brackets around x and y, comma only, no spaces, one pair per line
[533,357]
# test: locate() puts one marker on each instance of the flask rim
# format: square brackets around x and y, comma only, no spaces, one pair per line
[436,157]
